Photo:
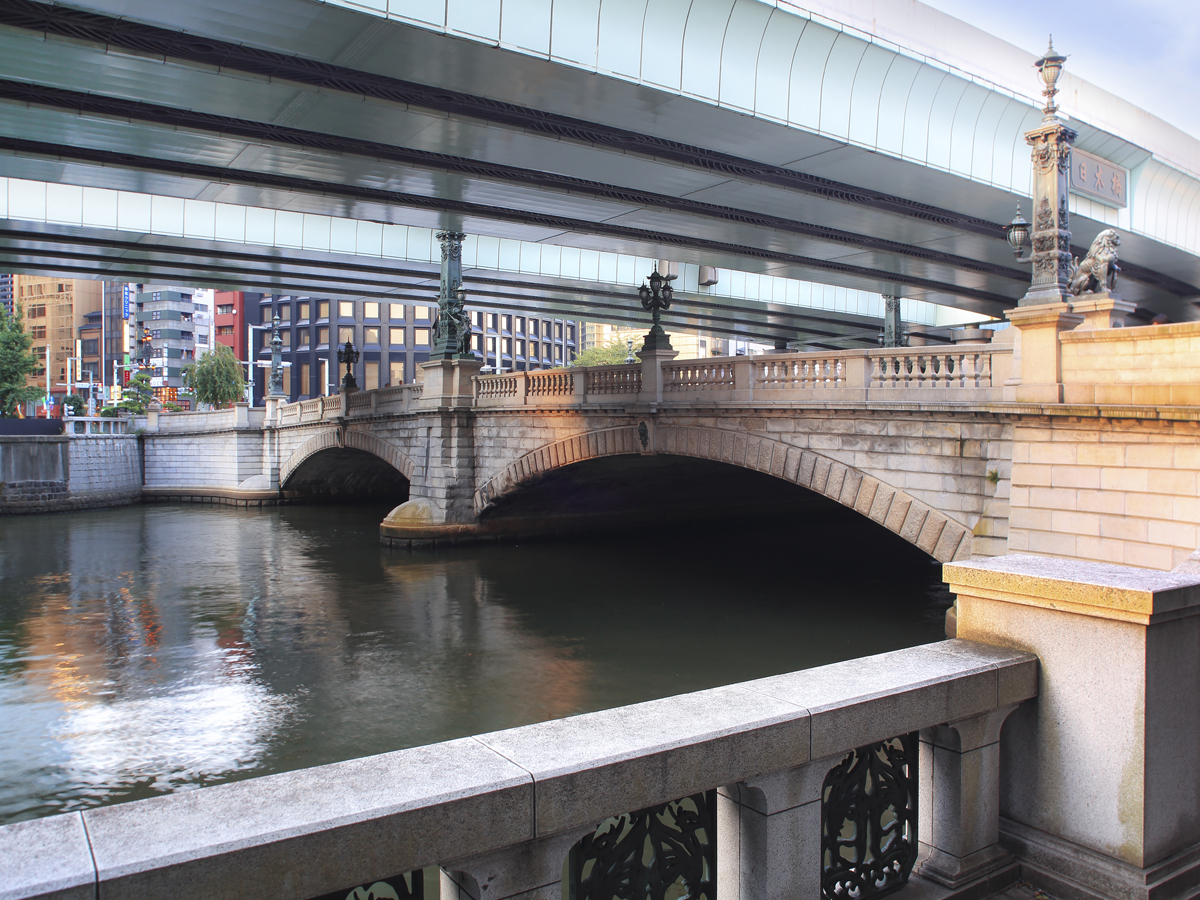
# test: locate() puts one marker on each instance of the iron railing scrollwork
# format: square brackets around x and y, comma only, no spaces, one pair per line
[409,886]
[666,852]
[869,820]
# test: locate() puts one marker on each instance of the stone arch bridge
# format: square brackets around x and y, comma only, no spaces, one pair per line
[922,441]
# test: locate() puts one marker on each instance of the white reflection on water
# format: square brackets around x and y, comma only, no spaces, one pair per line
[215,722]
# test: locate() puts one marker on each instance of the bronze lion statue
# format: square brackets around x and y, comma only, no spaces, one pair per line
[1099,269]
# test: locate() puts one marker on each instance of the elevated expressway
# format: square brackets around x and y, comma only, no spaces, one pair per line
[303,147]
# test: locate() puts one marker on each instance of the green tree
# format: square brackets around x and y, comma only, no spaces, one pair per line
[216,378]
[76,404]
[137,394]
[613,354]
[17,361]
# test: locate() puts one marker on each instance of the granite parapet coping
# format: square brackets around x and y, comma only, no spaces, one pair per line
[301,834]
[1090,588]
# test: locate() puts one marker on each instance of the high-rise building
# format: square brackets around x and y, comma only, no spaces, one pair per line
[6,293]
[54,308]
[166,338]
[202,300]
[229,319]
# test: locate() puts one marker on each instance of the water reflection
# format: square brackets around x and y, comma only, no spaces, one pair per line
[162,648]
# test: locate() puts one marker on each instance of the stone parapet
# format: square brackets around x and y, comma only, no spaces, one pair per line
[502,809]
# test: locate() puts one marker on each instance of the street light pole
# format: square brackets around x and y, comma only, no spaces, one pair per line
[656,297]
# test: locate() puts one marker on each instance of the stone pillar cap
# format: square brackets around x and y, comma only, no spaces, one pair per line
[1101,590]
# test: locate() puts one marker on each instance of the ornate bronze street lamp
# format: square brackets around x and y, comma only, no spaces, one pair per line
[349,356]
[656,297]
[452,330]
[276,384]
[1018,235]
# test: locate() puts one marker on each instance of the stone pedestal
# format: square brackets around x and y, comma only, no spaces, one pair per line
[652,380]
[448,382]
[1040,375]
[1100,775]
[1102,310]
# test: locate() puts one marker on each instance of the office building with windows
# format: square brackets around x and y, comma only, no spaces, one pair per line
[393,339]
[6,292]
[167,337]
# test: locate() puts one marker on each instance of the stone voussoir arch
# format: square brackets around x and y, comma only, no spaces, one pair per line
[896,510]
[335,438]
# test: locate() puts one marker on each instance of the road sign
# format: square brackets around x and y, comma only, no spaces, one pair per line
[125,304]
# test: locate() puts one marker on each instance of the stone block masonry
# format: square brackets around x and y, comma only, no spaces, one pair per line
[54,474]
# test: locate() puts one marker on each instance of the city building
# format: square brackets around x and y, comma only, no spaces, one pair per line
[229,319]
[6,293]
[166,337]
[689,345]
[202,319]
[393,339]
[54,308]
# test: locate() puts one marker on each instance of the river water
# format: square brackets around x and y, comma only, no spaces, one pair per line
[161,648]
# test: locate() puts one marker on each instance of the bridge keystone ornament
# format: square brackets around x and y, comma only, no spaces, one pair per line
[452,331]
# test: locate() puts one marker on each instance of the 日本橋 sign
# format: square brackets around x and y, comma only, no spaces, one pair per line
[1098,178]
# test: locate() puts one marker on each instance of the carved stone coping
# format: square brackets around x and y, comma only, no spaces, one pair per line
[312,831]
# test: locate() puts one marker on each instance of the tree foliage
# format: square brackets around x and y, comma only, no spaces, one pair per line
[76,404]
[17,362]
[136,395]
[216,378]
[614,354]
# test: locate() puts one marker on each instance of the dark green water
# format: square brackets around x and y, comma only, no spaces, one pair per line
[159,648]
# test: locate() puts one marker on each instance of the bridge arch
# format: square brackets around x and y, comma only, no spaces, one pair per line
[348,439]
[896,510]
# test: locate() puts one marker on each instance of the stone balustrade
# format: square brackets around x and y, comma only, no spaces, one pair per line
[959,374]
[79,426]
[500,812]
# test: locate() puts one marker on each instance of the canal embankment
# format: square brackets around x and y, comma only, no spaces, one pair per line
[55,473]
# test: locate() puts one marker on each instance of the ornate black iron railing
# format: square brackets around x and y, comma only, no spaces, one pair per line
[666,852]
[869,820]
[409,886]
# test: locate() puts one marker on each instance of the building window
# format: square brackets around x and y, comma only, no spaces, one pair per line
[286,338]
[397,372]
[287,380]
[186,335]
[371,374]
[224,309]
[558,352]
[421,313]
[476,342]
[491,346]
[302,311]
[421,337]
[507,346]
[520,348]
[396,312]
[533,328]
[322,309]
[346,333]
[396,337]
[477,319]
[305,378]
[571,333]
[558,331]
[156,314]
[371,311]
[224,329]
[371,335]
[345,309]
[39,332]
[491,321]
[285,313]
[156,334]
[302,336]
[323,336]
[506,321]
[520,323]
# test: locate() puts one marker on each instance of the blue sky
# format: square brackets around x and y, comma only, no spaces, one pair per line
[1146,52]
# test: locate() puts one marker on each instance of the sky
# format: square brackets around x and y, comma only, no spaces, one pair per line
[1147,52]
